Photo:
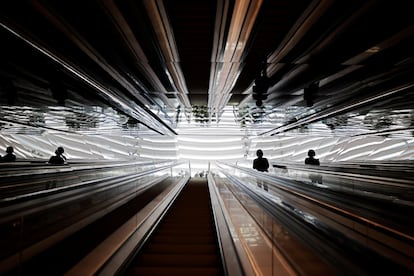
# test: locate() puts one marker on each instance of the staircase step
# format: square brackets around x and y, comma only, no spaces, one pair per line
[182,248]
[192,223]
[186,220]
[175,271]
[184,228]
[179,260]
[183,239]
[184,235]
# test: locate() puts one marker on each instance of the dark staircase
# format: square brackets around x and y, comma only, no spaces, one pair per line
[185,241]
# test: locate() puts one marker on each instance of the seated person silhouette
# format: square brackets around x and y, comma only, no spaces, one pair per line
[59,158]
[9,157]
[262,165]
[311,160]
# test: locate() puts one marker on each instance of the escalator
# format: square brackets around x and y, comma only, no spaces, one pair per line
[184,243]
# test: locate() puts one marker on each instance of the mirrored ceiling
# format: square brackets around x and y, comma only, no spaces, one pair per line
[158,66]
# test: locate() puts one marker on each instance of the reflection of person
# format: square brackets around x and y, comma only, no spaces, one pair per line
[311,160]
[59,158]
[262,165]
[9,157]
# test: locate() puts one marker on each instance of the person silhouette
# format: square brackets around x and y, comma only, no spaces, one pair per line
[311,160]
[262,165]
[58,158]
[9,157]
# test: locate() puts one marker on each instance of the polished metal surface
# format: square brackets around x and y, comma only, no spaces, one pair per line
[334,67]
[356,222]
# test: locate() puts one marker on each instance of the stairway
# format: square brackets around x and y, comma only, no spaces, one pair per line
[185,241]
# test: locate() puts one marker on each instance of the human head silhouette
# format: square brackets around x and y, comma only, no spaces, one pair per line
[311,153]
[259,153]
[59,151]
[9,149]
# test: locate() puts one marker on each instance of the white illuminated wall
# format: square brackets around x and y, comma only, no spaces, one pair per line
[91,147]
[200,149]
[333,149]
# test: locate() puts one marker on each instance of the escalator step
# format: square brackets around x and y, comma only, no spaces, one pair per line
[183,239]
[179,260]
[168,229]
[183,248]
[175,271]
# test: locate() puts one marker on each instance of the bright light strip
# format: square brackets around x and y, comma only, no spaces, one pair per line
[211,158]
[158,149]
[396,145]
[209,148]
[208,139]
[155,157]
[156,140]
[353,157]
[363,145]
[389,156]
[241,25]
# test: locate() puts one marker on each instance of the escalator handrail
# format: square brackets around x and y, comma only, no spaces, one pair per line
[232,258]
[265,201]
[19,171]
[284,183]
[401,183]
[27,202]
[118,260]
[41,245]
[344,172]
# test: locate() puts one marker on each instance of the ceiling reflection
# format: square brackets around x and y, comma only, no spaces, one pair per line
[378,119]
[77,119]
[390,116]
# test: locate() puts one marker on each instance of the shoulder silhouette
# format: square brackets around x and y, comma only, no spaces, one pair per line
[260,163]
[58,158]
[9,157]
[311,160]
